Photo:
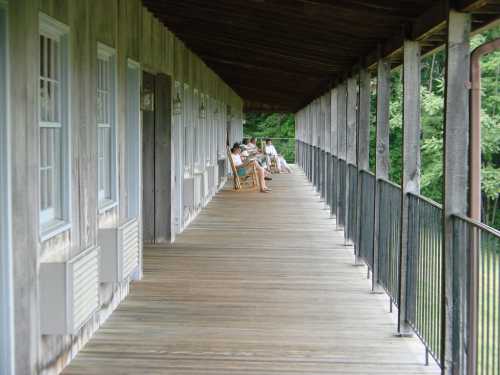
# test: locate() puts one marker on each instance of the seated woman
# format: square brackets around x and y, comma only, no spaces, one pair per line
[241,167]
[280,160]
[249,148]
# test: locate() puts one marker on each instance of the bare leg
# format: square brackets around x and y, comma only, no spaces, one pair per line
[261,174]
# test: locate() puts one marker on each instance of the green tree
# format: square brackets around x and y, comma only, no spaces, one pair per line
[278,126]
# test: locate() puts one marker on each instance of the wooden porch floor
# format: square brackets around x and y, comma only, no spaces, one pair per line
[258,284]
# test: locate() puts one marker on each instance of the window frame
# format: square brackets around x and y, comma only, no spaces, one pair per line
[196,125]
[60,221]
[107,201]
[187,132]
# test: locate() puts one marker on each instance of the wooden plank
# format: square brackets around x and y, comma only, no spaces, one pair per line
[456,180]
[163,158]
[219,302]
[411,160]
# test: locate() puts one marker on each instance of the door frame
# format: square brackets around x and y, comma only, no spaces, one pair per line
[6,270]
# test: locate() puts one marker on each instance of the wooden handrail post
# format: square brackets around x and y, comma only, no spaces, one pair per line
[352,140]
[411,163]
[456,155]
[334,147]
[382,153]
[341,132]
[363,148]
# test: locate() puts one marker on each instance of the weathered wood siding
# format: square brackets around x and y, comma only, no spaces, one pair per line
[135,34]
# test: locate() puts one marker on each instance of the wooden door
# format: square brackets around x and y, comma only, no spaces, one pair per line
[148,162]
[156,161]
[163,159]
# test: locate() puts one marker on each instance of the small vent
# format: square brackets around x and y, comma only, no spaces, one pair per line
[120,251]
[206,186]
[69,293]
[187,197]
[198,191]
[130,243]
[211,180]
[85,271]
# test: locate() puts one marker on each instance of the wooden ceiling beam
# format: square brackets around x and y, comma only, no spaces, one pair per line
[243,15]
[285,53]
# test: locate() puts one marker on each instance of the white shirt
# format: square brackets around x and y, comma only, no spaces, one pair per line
[251,147]
[271,150]
[236,160]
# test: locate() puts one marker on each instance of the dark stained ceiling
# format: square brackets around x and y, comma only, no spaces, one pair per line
[279,54]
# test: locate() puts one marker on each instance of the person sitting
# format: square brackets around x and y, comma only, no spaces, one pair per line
[252,145]
[249,148]
[244,147]
[280,160]
[241,167]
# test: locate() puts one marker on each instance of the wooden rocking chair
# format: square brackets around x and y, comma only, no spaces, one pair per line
[272,163]
[248,182]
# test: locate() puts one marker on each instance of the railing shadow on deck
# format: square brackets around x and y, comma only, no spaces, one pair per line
[377,242]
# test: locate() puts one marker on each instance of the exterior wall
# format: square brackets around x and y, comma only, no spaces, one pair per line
[135,34]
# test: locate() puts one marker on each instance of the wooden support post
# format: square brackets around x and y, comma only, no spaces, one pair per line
[352,154]
[334,149]
[328,148]
[363,142]
[322,135]
[456,179]
[364,120]
[411,162]
[342,121]
[341,140]
[382,152]
[352,120]
[24,134]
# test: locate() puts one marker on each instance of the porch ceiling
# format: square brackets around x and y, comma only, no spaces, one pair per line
[280,54]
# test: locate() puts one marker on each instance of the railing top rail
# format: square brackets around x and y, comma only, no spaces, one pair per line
[427,200]
[367,172]
[478,224]
[249,136]
[389,182]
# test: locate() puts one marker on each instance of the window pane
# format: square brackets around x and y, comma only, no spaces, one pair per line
[50,170]
[105,127]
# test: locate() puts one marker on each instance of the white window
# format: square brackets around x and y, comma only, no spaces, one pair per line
[106,133]
[197,148]
[54,125]
[211,130]
[188,128]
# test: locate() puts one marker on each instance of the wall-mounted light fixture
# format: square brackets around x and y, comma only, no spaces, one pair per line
[203,110]
[177,104]
[147,100]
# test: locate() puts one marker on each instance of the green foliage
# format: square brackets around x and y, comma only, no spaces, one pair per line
[432,118]
[274,125]
[278,126]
